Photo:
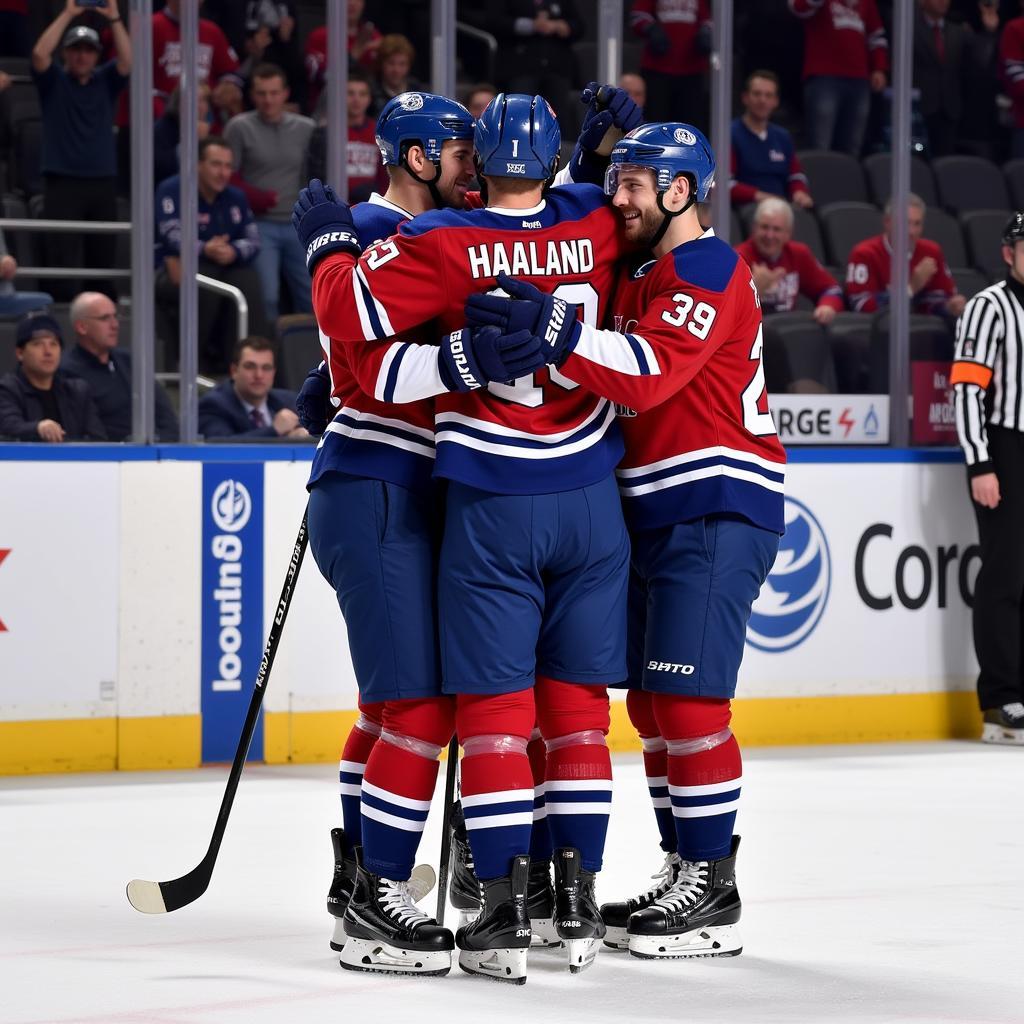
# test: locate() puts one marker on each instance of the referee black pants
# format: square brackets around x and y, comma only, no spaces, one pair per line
[999,590]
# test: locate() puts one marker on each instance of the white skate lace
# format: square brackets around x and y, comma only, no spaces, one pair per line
[1015,710]
[662,878]
[398,903]
[688,888]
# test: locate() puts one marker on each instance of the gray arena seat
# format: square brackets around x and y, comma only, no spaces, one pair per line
[850,337]
[799,349]
[984,231]
[970,183]
[878,171]
[940,227]
[298,341]
[833,177]
[846,224]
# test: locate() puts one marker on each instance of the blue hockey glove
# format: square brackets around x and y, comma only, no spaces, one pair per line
[323,224]
[313,401]
[610,115]
[470,358]
[552,320]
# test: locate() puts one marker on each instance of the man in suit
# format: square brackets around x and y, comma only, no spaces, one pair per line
[247,407]
[39,402]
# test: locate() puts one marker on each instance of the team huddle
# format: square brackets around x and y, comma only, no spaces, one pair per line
[549,468]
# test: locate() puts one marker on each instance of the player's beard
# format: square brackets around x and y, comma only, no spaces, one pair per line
[454,196]
[642,229]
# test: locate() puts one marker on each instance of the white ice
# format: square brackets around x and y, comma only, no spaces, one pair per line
[879,884]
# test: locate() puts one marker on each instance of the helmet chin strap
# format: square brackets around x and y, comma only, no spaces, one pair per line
[431,183]
[668,215]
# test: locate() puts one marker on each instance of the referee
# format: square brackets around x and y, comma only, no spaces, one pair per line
[988,380]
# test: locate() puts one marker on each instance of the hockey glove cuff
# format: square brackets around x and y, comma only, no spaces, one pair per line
[313,401]
[470,358]
[323,224]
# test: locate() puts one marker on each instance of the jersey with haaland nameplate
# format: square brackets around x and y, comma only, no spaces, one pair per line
[540,434]
[368,435]
[685,359]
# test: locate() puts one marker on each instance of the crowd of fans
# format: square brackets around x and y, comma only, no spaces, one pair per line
[811,76]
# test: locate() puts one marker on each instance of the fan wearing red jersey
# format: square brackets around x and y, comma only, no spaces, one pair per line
[534,559]
[702,486]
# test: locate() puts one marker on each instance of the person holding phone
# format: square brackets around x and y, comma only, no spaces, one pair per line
[79,159]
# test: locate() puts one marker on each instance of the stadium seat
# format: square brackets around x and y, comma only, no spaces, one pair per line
[970,183]
[984,232]
[798,352]
[846,224]
[850,337]
[878,171]
[1013,171]
[969,281]
[8,360]
[737,228]
[940,227]
[833,177]
[298,342]
[806,230]
[931,339]
[26,164]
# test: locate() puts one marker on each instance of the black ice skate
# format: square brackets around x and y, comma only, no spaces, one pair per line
[696,917]
[464,890]
[616,915]
[540,905]
[495,945]
[342,884]
[1004,725]
[388,933]
[421,882]
[577,920]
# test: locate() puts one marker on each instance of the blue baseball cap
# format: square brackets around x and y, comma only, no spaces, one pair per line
[37,323]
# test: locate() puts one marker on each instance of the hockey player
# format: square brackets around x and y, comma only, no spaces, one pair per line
[702,486]
[532,576]
[374,462]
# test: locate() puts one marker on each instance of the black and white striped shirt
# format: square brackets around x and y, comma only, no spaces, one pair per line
[988,369]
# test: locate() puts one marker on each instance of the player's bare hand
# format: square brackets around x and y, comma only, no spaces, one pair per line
[285,421]
[8,267]
[985,489]
[955,304]
[50,430]
[803,200]
[922,273]
[824,315]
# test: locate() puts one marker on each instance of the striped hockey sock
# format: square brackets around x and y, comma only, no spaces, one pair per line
[656,769]
[541,846]
[358,746]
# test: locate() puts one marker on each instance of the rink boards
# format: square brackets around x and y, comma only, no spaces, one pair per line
[136,586]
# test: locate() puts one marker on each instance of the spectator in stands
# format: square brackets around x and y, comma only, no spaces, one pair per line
[270,39]
[366,173]
[635,86]
[363,41]
[783,269]
[1011,71]
[107,369]
[269,146]
[946,55]
[248,407]
[79,158]
[15,40]
[535,53]
[38,401]
[167,132]
[677,42]
[228,246]
[394,64]
[15,303]
[931,284]
[479,96]
[846,58]
[764,160]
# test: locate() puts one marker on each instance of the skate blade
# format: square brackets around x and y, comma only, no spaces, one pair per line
[723,940]
[544,935]
[507,965]
[467,917]
[992,733]
[383,958]
[339,936]
[421,881]
[582,953]
[616,938]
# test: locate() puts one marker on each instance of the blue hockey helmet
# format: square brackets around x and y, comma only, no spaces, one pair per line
[517,136]
[422,118]
[669,149]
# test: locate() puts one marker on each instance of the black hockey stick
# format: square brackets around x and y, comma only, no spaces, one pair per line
[446,829]
[164,897]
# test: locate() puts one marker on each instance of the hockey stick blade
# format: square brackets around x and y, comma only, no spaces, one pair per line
[166,897]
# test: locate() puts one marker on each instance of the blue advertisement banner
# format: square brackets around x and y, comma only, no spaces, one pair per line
[232,615]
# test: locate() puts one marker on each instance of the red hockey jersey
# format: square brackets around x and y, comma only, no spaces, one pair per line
[1011,66]
[842,38]
[685,354]
[540,434]
[681,20]
[804,276]
[868,271]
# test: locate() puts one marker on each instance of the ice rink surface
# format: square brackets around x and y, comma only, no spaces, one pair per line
[879,884]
